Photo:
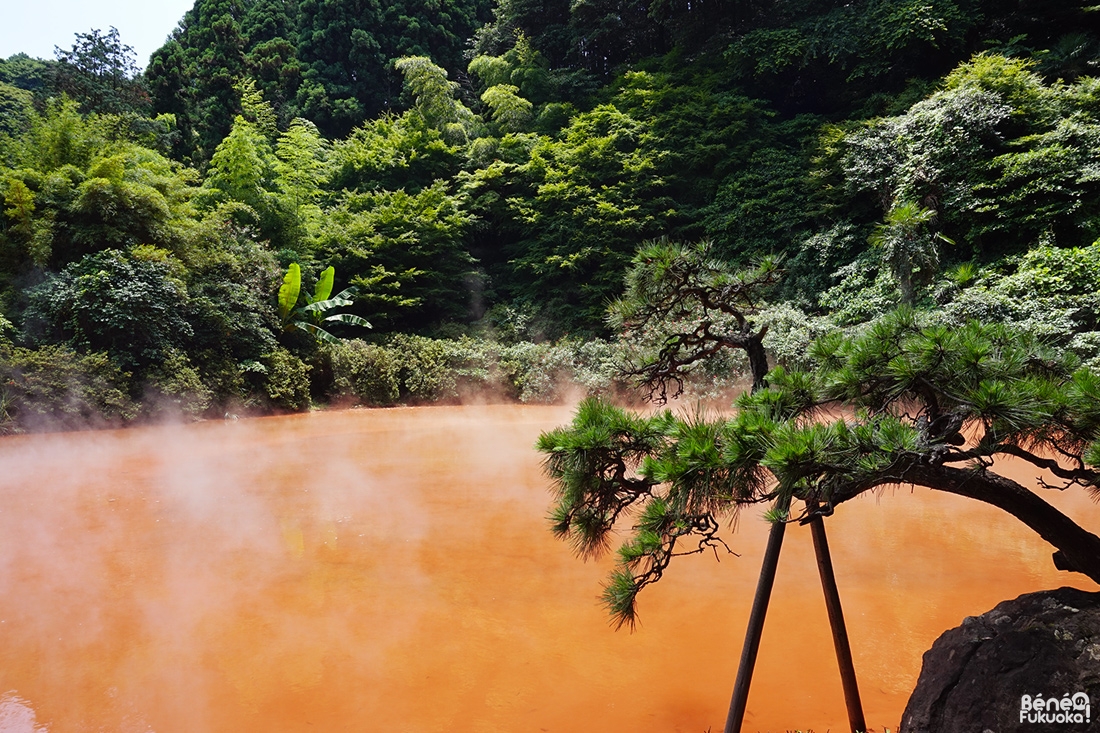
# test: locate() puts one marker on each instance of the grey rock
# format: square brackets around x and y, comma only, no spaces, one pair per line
[1041,644]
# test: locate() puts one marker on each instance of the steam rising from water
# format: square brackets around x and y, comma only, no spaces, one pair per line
[391,570]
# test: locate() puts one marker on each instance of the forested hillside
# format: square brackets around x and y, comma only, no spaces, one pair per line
[480,174]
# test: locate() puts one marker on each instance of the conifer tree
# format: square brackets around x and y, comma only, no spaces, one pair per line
[930,406]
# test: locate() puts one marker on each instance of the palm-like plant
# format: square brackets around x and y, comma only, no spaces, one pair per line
[909,248]
[310,316]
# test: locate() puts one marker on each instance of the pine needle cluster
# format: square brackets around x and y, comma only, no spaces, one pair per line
[901,404]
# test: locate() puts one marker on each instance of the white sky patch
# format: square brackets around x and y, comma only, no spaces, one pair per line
[34,28]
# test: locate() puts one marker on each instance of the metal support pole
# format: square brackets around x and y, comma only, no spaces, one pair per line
[836,622]
[756,622]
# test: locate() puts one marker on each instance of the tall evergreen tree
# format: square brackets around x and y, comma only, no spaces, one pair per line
[193,76]
[348,48]
[100,72]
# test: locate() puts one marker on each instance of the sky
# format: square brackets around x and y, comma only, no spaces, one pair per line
[34,27]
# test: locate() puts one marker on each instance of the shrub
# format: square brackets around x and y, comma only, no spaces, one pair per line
[131,307]
[595,365]
[536,371]
[435,369]
[541,372]
[286,381]
[230,286]
[790,333]
[865,292]
[420,369]
[363,373]
[1050,292]
[474,364]
[175,387]
[54,388]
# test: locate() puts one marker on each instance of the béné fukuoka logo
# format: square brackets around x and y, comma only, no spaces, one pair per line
[1065,709]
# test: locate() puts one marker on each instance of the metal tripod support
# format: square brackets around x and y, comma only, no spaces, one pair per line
[760,611]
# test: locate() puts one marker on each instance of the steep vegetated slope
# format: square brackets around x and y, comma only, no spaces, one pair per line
[480,170]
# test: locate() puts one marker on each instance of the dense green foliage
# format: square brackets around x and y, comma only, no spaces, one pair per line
[130,307]
[415,368]
[330,61]
[491,168]
[100,72]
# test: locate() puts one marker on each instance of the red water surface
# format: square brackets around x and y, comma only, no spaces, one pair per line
[391,570]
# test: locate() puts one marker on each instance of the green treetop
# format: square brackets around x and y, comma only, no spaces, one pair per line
[101,73]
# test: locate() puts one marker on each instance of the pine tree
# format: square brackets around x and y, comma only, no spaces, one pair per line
[927,406]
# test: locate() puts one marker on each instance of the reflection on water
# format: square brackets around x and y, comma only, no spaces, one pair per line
[17,716]
[391,570]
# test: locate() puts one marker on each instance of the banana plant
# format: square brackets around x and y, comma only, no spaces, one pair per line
[311,316]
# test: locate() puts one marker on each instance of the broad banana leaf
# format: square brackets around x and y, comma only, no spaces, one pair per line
[320,333]
[350,319]
[288,293]
[348,293]
[324,285]
[324,305]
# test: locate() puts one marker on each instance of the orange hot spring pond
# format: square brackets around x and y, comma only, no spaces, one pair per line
[391,570]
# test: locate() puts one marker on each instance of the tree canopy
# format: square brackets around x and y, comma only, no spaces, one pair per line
[330,61]
[101,73]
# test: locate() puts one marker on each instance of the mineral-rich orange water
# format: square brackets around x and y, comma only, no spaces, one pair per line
[391,570]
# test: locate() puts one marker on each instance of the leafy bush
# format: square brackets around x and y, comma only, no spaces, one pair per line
[543,372]
[186,328]
[536,371]
[404,252]
[420,369]
[230,282]
[286,380]
[432,369]
[1052,292]
[1003,158]
[363,373]
[865,292]
[594,365]
[423,369]
[1087,347]
[131,307]
[55,388]
[174,387]
[790,333]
